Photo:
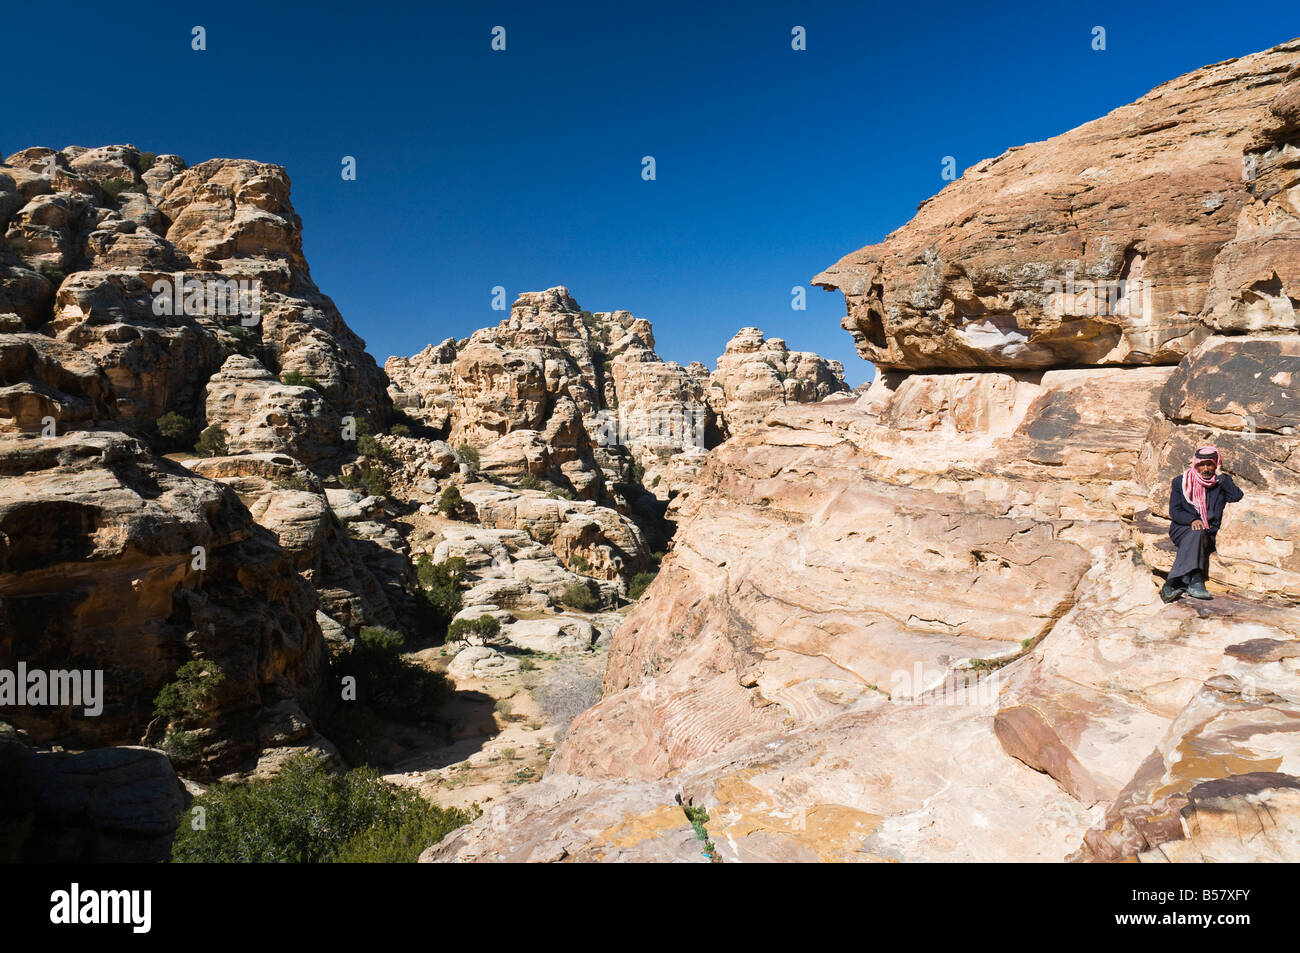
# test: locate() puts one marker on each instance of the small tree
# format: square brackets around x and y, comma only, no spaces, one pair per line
[450,502]
[639,584]
[297,379]
[189,694]
[368,445]
[485,627]
[577,595]
[441,585]
[174,429]
[212,442]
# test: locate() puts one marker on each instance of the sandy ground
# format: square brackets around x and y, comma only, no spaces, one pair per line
[493,736]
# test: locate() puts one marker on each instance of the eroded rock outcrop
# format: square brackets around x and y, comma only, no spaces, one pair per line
[583,399]
[756,375]
[923,624]
[1122,241]
[154,274]
[113,559]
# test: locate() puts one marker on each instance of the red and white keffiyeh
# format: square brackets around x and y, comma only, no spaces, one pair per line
[1195,485]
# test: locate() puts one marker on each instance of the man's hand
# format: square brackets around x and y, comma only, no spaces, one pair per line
[1197,524]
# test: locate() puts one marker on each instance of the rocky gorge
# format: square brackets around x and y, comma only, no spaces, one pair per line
[922,623]
[655,612]
[484,503]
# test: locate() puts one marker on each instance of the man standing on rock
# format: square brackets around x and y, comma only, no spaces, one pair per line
[1196,502]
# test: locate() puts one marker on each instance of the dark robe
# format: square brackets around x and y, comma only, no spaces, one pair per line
[1195,546]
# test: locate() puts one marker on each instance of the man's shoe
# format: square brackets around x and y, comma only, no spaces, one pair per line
[1171,593]
[1196,587]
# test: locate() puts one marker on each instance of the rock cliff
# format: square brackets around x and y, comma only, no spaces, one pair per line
[923,624]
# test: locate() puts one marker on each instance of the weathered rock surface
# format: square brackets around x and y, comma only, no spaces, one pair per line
[923,624]
[99,569]
[105,804]
[89,234]
[580,399]
[1121,241]
[757,374]
[359,570]
[261,415]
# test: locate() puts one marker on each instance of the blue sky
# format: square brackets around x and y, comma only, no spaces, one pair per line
[523,168]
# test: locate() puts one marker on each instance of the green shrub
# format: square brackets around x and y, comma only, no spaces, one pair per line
[377,640]
[469,456]
[173,426]
[296,482]
[53,273]
[306,815]
[297,379]
[485,627]
[212,442]
[389,683]
[450,502]
[433,574]
[638,472]
[579,562]
[371,480]
[441,585]
[190,693]
[182,745]
[174,429]
[527,665]
[577,595]
[114,188]
[639,584]
[368,446]
[404,842]
[145,162]
[530,481]
[399,430]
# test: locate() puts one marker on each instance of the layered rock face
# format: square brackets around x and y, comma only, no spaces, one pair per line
[115,560]
[757,374]
[1124,241]
[131,287]
[140,277]
[559,392]
[924,624]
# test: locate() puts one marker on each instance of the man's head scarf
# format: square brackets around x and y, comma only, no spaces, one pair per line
[1195,485]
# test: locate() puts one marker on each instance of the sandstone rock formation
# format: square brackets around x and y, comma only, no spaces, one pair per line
[259,414]
[133,286]
[756,375]
[113,559]
[584,400]
[1124,241]
[94,240]
[923,624]
[105,804]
